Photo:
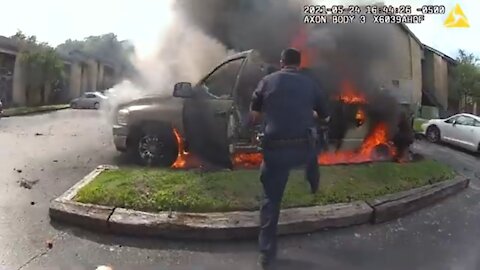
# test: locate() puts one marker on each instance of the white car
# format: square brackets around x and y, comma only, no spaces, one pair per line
[462,130]
[89,100]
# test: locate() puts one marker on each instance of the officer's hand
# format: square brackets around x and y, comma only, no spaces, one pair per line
[315,114]
[255,117]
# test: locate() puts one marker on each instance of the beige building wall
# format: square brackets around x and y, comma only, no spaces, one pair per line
[435,71]
[416,52]
[92,71]
[100,77]
[75,79]
[402,71]
[18,95]
[84,79]
[440,79]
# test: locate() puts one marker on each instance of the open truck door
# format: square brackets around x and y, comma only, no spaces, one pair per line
[207,114]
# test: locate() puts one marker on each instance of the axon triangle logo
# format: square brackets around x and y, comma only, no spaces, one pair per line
[456,18]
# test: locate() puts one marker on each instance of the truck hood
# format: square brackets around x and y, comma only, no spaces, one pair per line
[148,100]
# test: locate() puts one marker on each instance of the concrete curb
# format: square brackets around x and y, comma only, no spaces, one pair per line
[395,205]
[35,112]
[235,225]
[89,216]
[242,224]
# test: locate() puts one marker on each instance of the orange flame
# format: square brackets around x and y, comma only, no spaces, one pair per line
[182,157]
[379,136]
[360,117]
[350,95]
[307,54]
[247,160]
[366,152]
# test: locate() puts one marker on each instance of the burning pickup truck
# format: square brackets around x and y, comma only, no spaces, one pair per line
[207,122]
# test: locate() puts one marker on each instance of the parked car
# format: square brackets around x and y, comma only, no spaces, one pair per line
[1,109]
[89,100]
[209,116]
[462,130]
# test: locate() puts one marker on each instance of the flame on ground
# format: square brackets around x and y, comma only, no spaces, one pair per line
[366,153]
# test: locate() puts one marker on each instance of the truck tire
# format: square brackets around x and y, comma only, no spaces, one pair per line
[153,144]
[380,152]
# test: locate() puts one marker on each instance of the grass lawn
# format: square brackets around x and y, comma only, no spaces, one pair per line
[161,189]
[30,110]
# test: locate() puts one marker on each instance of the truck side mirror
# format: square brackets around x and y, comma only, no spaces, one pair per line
[183,90]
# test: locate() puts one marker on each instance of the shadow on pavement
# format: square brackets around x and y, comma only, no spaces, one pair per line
[157,243]
[284,264]
[451,147]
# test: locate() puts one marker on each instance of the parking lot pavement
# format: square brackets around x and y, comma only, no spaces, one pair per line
[53,151]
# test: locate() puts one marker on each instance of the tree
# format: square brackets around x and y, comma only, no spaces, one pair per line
[42,67]
[106,47]
[466,76]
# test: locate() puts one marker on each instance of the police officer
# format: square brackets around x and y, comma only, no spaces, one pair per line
[288,102]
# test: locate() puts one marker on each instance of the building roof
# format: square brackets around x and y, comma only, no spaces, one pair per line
[13,46]
[426,47]
[409,32]
[439,53]
[9,44]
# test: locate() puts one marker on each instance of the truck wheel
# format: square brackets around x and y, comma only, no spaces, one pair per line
[380,152]
[154,145]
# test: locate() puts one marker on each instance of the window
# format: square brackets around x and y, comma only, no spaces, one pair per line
[90,96]
[465,121]
[477,123]
[220,83]
[450,121]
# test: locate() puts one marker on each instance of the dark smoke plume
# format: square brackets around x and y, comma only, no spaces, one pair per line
[340,52]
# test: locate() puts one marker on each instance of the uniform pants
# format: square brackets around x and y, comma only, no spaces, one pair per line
[275,170]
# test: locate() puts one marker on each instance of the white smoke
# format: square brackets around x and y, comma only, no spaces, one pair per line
[183,53]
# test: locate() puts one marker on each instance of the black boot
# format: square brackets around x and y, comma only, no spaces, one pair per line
[266,260]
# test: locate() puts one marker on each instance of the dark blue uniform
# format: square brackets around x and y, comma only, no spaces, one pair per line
[287,99]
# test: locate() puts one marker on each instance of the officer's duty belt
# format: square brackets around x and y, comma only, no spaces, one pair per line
[287,142]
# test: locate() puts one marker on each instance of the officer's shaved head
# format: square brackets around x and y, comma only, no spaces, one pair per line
[290,57]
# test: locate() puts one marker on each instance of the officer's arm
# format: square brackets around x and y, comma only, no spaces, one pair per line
[256,103]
